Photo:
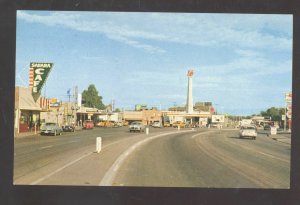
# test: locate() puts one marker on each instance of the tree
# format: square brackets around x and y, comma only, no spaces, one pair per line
[91,98]
[274,113]
[117,110]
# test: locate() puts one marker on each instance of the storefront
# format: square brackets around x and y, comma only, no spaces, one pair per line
[27,111]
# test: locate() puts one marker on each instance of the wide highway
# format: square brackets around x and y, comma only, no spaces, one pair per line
[166,157]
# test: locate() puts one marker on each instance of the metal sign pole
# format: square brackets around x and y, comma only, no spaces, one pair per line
[285,116]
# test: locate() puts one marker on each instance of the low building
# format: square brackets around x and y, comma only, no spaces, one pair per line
[193,118]
[27,111]
[147,116]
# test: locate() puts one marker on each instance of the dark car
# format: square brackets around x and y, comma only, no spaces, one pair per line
[267,127]
[68,128]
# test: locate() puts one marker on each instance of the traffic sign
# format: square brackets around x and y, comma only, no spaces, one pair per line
[288,97]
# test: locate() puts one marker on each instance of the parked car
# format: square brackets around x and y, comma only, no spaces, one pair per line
[118,124]
[157,125]
[178,124]
[136,126]
[51,129]
[248,131]
[88,124]
[267,127]
[167,124]
[214,124]
[68,128]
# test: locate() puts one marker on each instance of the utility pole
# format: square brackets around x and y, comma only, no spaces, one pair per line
[285,116]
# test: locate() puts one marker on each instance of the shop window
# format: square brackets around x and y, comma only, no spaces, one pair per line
[23,119]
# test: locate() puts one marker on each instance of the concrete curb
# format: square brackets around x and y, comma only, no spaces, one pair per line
[280,139]
[27,134]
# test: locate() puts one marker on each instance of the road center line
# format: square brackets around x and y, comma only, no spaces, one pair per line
[58,170]
[202,133]
[263,153]
[109,176]
[46,147]
[70,163]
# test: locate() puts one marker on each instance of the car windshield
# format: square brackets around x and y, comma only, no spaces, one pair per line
[136,123]
[249,128]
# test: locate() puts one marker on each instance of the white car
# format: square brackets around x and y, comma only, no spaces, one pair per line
[157,125]
[51,129]
[248,131]
[137,126]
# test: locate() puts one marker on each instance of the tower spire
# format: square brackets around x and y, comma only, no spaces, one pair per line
[189,103]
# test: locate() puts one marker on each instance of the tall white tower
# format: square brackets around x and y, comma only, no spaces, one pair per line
[189,101]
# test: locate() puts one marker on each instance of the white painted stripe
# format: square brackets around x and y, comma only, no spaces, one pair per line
[46,147]
[58,170]
[70,163]
[263,153]
[202,133]
[109,176]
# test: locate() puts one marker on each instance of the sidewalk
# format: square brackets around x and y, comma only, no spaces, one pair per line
[33,134]
[27,134]
[283,137]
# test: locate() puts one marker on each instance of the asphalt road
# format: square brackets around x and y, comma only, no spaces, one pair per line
[166,158]
[212,158]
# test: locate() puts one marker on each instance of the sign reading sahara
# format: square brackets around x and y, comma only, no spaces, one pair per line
[40,74]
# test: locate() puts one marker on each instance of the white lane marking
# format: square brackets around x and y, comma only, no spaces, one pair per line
[46,147]
[109,176]
[202,133]
[69,164]
[73,141]
[58,170]
[263,153]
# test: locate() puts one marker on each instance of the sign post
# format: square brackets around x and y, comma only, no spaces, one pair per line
[273,131]
[288,110]
[98,144]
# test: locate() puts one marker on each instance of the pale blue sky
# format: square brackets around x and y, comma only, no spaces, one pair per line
[242,62]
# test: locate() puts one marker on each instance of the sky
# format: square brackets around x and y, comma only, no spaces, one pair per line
[242,62]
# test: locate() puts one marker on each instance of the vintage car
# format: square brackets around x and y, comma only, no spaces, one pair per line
[88,124]
[179,124]
[51,128]
[68,128]
[157,124]
[248,131]
[136,127]
[167,124]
